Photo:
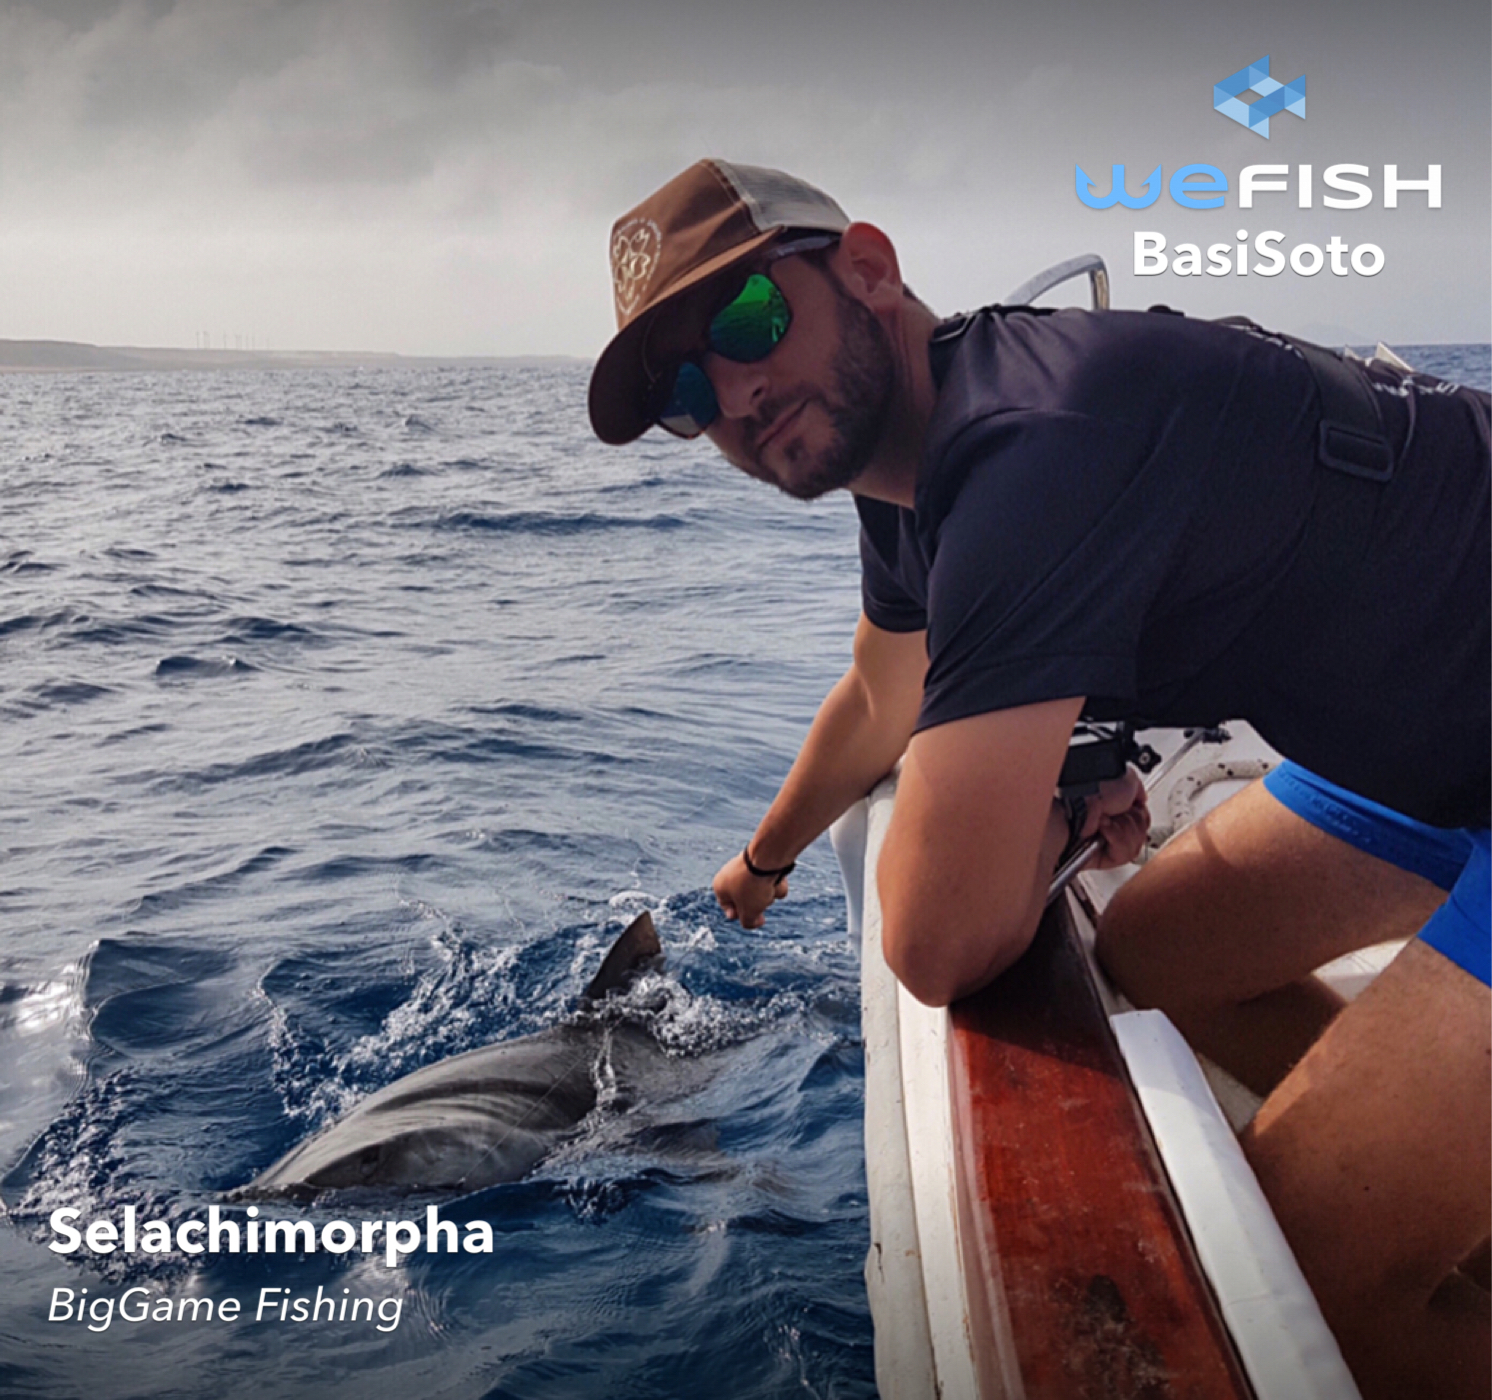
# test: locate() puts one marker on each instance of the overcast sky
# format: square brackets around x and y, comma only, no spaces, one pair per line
[439,176]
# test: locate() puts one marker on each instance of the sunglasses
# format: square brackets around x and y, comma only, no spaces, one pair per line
[746,329]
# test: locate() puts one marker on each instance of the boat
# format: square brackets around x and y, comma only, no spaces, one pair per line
[1059,1207]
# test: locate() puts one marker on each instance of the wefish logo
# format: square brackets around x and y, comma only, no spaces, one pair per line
[1087,188]
[1200,185]
[1274,97]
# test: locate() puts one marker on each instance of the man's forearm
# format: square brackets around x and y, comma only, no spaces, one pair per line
[858,734]
[852,744]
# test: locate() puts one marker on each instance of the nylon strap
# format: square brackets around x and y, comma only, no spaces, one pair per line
[1350,438]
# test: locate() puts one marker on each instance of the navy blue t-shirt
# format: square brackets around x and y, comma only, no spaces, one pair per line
[1128,506]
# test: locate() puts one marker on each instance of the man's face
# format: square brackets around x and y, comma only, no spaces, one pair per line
[809,416]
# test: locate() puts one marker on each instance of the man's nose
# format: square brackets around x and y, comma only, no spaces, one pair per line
[739,388]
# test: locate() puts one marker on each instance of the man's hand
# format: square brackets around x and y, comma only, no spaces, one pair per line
[745,896]
[1118,815]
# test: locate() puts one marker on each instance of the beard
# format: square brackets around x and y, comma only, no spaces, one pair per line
[864,371]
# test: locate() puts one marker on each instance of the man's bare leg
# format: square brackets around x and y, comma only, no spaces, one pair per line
[1221,930]
[1224,927]
[1376,1154]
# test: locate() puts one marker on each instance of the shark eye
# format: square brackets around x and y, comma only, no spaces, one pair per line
[370,1156]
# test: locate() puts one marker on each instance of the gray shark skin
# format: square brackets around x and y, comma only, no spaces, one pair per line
[481,1118]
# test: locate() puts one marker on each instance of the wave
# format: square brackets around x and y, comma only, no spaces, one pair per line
[145,626]
[207,886]
[538,522]
[266,629]
[37,622]
[179,667]
[57,693]
[23,562]
[308,757]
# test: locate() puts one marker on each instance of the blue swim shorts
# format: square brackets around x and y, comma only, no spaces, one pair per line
[1455,859]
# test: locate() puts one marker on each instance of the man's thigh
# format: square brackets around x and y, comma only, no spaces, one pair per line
[1376,1150]
[1390,1111]
[1252,898]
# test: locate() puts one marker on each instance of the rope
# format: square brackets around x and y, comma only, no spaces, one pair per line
[1181,800]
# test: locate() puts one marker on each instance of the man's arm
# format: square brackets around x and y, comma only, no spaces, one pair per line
[860,731]
[974,839]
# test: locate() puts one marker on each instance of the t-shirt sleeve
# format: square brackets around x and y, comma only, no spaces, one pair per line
[884,592]
[1048,559]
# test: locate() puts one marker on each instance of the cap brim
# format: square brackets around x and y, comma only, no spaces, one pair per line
[620,398]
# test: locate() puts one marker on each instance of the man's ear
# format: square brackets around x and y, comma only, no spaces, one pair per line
[866,265]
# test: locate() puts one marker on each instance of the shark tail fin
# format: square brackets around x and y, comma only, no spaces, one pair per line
[638,943]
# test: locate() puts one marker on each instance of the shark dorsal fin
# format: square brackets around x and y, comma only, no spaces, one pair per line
[638,943]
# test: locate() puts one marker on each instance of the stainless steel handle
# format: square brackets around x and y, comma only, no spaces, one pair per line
[1080,858]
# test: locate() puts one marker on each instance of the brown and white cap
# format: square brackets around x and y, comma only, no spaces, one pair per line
[699,224]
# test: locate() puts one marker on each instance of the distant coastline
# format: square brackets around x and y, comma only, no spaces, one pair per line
[72,356]
[41,356]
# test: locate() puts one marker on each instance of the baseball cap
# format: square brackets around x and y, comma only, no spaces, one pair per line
[701,223]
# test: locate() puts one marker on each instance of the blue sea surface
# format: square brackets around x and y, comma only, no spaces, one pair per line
[347,717]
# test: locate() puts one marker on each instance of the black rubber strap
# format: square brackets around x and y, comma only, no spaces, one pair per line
[1075,808]
[1350,437]
[773,875]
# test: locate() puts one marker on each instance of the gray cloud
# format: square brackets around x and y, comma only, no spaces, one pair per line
[440,177]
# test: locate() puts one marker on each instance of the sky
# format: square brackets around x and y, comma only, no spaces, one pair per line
[439,177]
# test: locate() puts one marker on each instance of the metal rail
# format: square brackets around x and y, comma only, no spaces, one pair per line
[1043,282]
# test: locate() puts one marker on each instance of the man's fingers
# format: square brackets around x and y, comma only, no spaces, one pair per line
[1123,835]
[743,897]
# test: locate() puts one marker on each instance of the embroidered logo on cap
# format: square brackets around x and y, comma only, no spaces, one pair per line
[635,247]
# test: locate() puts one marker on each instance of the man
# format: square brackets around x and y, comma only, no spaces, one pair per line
[1124,515]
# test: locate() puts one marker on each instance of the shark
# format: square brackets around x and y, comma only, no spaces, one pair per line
[483,1117]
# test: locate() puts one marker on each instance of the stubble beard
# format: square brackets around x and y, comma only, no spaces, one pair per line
[864,371]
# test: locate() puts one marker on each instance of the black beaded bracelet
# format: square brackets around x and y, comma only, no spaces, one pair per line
[773,875]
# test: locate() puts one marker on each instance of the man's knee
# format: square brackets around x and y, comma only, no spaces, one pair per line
[1153,936]
[1128,948]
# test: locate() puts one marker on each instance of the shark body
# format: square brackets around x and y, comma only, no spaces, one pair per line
[483,1117]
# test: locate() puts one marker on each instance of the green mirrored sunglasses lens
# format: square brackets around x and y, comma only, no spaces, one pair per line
[746,330]
[753,323]
[692,406]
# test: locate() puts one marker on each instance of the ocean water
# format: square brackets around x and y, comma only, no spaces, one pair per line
[345,717]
